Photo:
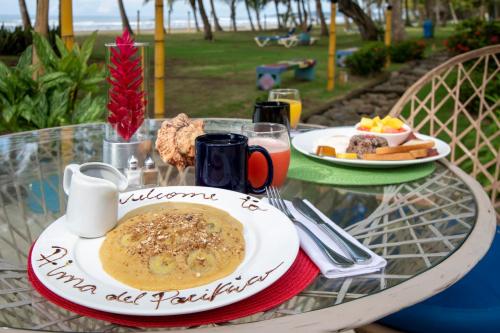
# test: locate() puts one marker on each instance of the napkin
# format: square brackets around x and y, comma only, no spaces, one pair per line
[327,268]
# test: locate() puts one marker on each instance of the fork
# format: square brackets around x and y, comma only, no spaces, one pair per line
[275,200]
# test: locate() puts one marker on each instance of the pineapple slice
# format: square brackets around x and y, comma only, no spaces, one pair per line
[366,122]
[349,156]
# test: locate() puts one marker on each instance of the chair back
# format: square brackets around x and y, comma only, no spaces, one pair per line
[459,102]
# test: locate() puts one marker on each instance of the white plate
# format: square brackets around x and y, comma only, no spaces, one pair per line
[271,241]
[306,144]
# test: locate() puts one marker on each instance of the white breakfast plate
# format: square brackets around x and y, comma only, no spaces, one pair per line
[306,144]
[70,266]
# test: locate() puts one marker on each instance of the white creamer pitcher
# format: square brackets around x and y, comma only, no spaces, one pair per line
[93,198]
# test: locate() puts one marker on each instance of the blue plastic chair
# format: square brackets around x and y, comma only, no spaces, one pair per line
[470,305]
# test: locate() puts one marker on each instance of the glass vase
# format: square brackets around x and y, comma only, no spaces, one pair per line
[119,144]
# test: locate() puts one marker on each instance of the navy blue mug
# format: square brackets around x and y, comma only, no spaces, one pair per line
[221,160]
[272,112]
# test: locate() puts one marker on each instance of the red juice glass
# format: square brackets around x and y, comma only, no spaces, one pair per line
[274,138]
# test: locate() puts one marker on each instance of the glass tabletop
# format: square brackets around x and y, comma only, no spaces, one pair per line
[414,226]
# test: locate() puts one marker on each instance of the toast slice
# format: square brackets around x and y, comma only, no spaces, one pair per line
[406,147]
[419,153]
[388,157]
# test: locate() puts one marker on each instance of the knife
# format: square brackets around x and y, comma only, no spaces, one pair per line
[356,253]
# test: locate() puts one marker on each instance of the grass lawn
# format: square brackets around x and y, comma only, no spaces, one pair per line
[217,79]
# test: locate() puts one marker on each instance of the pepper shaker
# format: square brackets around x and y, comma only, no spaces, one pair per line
[150,172]
[133,173]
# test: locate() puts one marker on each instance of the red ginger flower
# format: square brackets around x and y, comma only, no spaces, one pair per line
[127,101]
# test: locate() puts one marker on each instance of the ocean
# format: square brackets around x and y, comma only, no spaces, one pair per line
[111,23]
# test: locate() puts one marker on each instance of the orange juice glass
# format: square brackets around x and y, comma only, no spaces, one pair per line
[292,97]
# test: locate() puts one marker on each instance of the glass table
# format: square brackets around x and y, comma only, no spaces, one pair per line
[431,231]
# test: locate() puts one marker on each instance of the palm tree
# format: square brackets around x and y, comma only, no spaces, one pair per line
[304,24]
[319,12]
[41,27]
[216,20]
[232,8]
[193,6]
[247,5]
[299,13]
[42,17]
[170,10]
[257,5]
[277,13]
[123,14]
[207,28]
[25,16]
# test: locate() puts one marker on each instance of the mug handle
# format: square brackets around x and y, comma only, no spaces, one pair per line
[68,174]
[270,169]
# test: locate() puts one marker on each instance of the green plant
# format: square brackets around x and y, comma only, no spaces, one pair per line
[368,60]
[407,50]
[66,92]
[15,41]
[473,34]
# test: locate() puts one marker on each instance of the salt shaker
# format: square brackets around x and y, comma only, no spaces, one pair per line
[133,173]
[150,172]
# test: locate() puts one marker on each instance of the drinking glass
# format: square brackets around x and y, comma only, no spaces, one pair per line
[292,97]
[274,138]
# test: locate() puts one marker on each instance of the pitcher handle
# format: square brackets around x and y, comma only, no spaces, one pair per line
[68,174]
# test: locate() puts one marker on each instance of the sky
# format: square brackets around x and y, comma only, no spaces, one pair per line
[110,8]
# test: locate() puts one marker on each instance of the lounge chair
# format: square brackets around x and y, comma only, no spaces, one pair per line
[265,40]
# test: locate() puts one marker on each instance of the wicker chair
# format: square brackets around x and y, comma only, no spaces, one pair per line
[459,102]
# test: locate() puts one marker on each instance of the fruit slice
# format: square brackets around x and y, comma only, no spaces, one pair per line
[129,240]
[213,226]
[394,123]
[366,123]
[325,151]
[201,261]
[350,156]
[161,264]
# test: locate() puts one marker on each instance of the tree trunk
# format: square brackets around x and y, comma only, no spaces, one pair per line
[452,12]
[206,23]
[123,15]
[415,11]
[249,15]
[436,12]
[407,14]
[193,6]
[319,12]
[309,11]
[25,16]
[482,10]
[398,29]
[366,27]
[299,12]
[304,11]
[257,14]
[277,14]
[233,14]
[41,27]
[216,20]
[429,10]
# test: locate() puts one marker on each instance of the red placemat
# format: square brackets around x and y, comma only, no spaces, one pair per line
[297,278]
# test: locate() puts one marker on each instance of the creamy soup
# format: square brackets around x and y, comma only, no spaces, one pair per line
[173,246]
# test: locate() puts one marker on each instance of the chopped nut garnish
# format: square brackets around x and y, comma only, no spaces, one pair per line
[170,233]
